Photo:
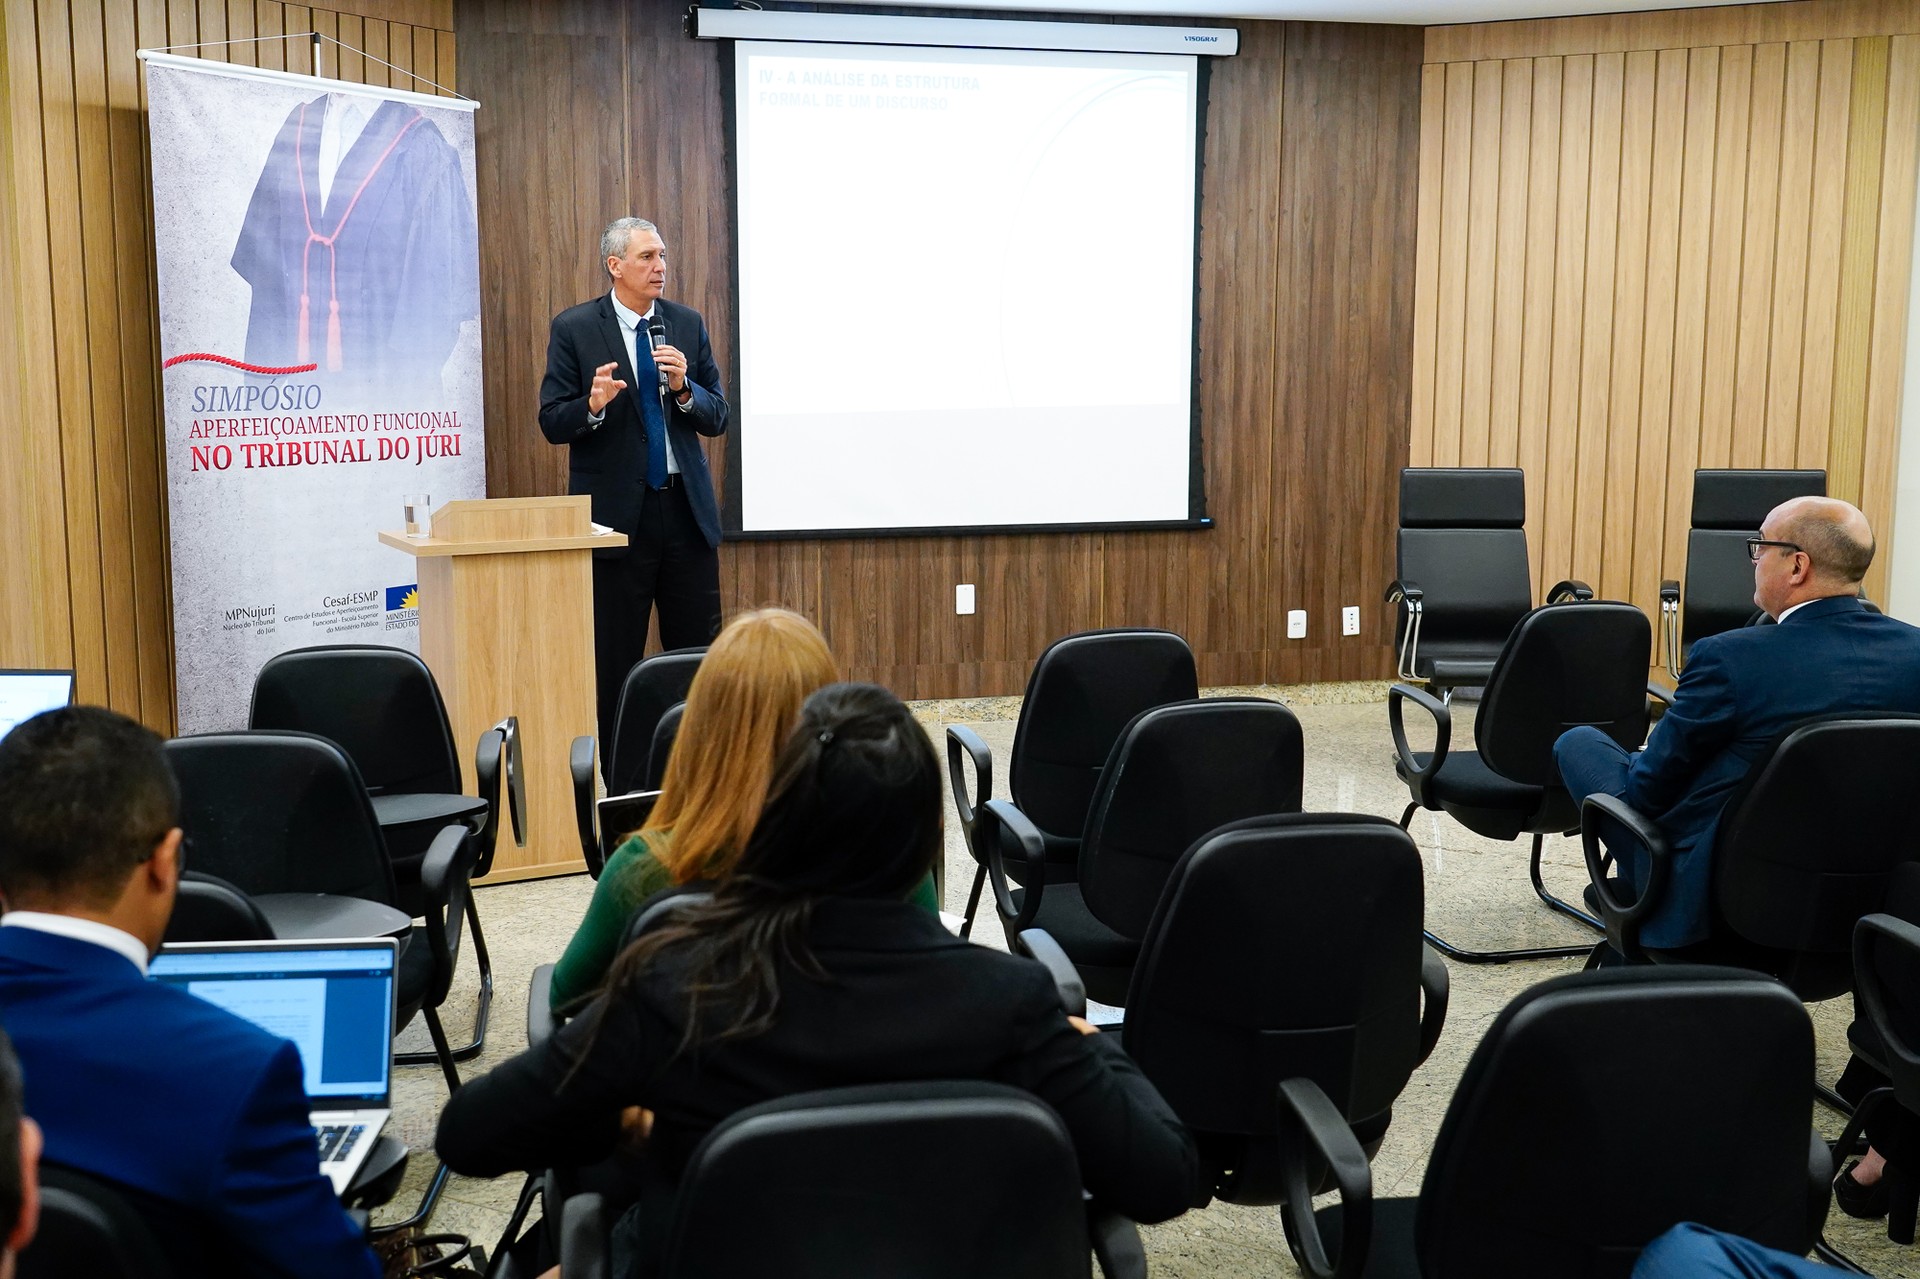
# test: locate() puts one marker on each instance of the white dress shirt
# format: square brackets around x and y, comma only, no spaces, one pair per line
[345,120]
[86,930]
[631,321]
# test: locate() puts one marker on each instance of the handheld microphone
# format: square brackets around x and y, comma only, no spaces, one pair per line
[657,338]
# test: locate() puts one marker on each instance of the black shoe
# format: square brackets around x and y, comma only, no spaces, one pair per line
[1868,1203]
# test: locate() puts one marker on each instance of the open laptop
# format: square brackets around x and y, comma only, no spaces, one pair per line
[334,1000]
[24,694]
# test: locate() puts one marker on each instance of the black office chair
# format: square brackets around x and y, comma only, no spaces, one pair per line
[1563,665]
[89,1228]
[1728,507]
[652,687]
[1579,1131]
[1463,581]
[664,734]
[383,707]
[890,1179]
[1084,689]
[1218,1014]
[1790,877]
[1886,1035]
[1176,772]
[287,813]
[208,908]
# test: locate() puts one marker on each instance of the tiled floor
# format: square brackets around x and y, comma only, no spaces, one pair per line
[1477,895]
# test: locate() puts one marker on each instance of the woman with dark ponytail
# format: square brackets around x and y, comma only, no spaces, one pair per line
[809,969]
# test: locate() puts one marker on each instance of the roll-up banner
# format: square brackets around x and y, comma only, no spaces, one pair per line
[318,269]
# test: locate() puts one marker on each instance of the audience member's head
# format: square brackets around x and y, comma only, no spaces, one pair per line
[19,1163]
[1824,548]
[740,710]
[89,821]
[854,811]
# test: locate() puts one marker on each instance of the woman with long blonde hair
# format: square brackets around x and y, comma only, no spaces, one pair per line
[741,707]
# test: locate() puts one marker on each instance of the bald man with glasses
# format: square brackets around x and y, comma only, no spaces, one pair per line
[1742,689]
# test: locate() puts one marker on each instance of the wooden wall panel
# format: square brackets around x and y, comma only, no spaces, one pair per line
[1722,265]
[84,573]
[1306,317]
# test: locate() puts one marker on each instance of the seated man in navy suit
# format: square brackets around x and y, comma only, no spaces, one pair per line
[199,1117]
[1742,689]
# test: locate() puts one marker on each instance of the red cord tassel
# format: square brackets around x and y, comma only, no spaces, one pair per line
[333,336]
[304,346]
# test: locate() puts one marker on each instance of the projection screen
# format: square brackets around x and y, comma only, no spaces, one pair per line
[966,288]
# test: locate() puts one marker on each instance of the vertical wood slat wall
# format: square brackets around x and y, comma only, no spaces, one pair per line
[594,108]
[83,543]
[1656,242]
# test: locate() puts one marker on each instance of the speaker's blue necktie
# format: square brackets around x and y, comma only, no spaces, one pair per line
[647,374]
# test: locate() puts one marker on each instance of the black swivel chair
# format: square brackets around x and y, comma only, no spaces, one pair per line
[887,1179]
[1463,580]
[1886,1035]
[287,813]
[88,1228]
[652,687]
[1579,1133]
[383,707]
[1728,507]
[1084,689]
[1563,665]
[1176,772]
[1790,876]
[1218,1014]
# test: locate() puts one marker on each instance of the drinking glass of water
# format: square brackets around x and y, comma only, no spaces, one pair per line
[419,515]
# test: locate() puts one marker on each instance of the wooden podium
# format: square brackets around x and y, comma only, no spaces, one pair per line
[506,626]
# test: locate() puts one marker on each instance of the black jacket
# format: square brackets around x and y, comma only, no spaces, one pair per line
[609,464]
[905,1000]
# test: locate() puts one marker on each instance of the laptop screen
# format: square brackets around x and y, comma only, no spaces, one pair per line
[334,1000]
[24,694]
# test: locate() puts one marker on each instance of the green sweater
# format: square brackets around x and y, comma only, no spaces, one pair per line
[633,876]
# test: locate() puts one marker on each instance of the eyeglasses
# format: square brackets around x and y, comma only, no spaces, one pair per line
[1755,543]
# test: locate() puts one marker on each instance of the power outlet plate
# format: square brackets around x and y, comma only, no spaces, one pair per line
[1350,620]
[963,599]
[1296,623]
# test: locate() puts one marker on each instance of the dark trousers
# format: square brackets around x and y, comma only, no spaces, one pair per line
[1591,763]
[668,565]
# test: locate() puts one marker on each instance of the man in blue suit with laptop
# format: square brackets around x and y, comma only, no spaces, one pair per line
[199,1117]
[1743,689]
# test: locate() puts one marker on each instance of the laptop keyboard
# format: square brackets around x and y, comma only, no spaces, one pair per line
[338,1140]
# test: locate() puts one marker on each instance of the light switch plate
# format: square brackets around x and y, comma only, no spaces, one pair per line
[963,599]
[1296,623]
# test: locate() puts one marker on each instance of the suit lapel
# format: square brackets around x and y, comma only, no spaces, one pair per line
[615,343]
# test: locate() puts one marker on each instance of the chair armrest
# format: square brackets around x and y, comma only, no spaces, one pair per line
[1005,819]
[1314,1132]
[580,763]
[516,775]
[1623,919]
[1402,591]
[1039,943]
[486,781]
[1901,1062]
[1657,693]
[1669,593]
[1570,589]
[1421,779]
[1670,629]
[1435,984]
[584,1238]
[540,1022]
[964,742]
[445,882]
[1116,1244]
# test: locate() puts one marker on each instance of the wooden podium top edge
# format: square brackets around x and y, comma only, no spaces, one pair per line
[427,547]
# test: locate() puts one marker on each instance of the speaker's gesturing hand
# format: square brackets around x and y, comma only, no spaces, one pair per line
[605,387]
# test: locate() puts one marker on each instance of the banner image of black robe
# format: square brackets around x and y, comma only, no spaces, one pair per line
[371,282]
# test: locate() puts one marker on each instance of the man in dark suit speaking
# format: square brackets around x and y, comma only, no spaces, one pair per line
[623,393]
[1744,688]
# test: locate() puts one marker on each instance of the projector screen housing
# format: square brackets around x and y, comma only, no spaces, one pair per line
[966,290]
